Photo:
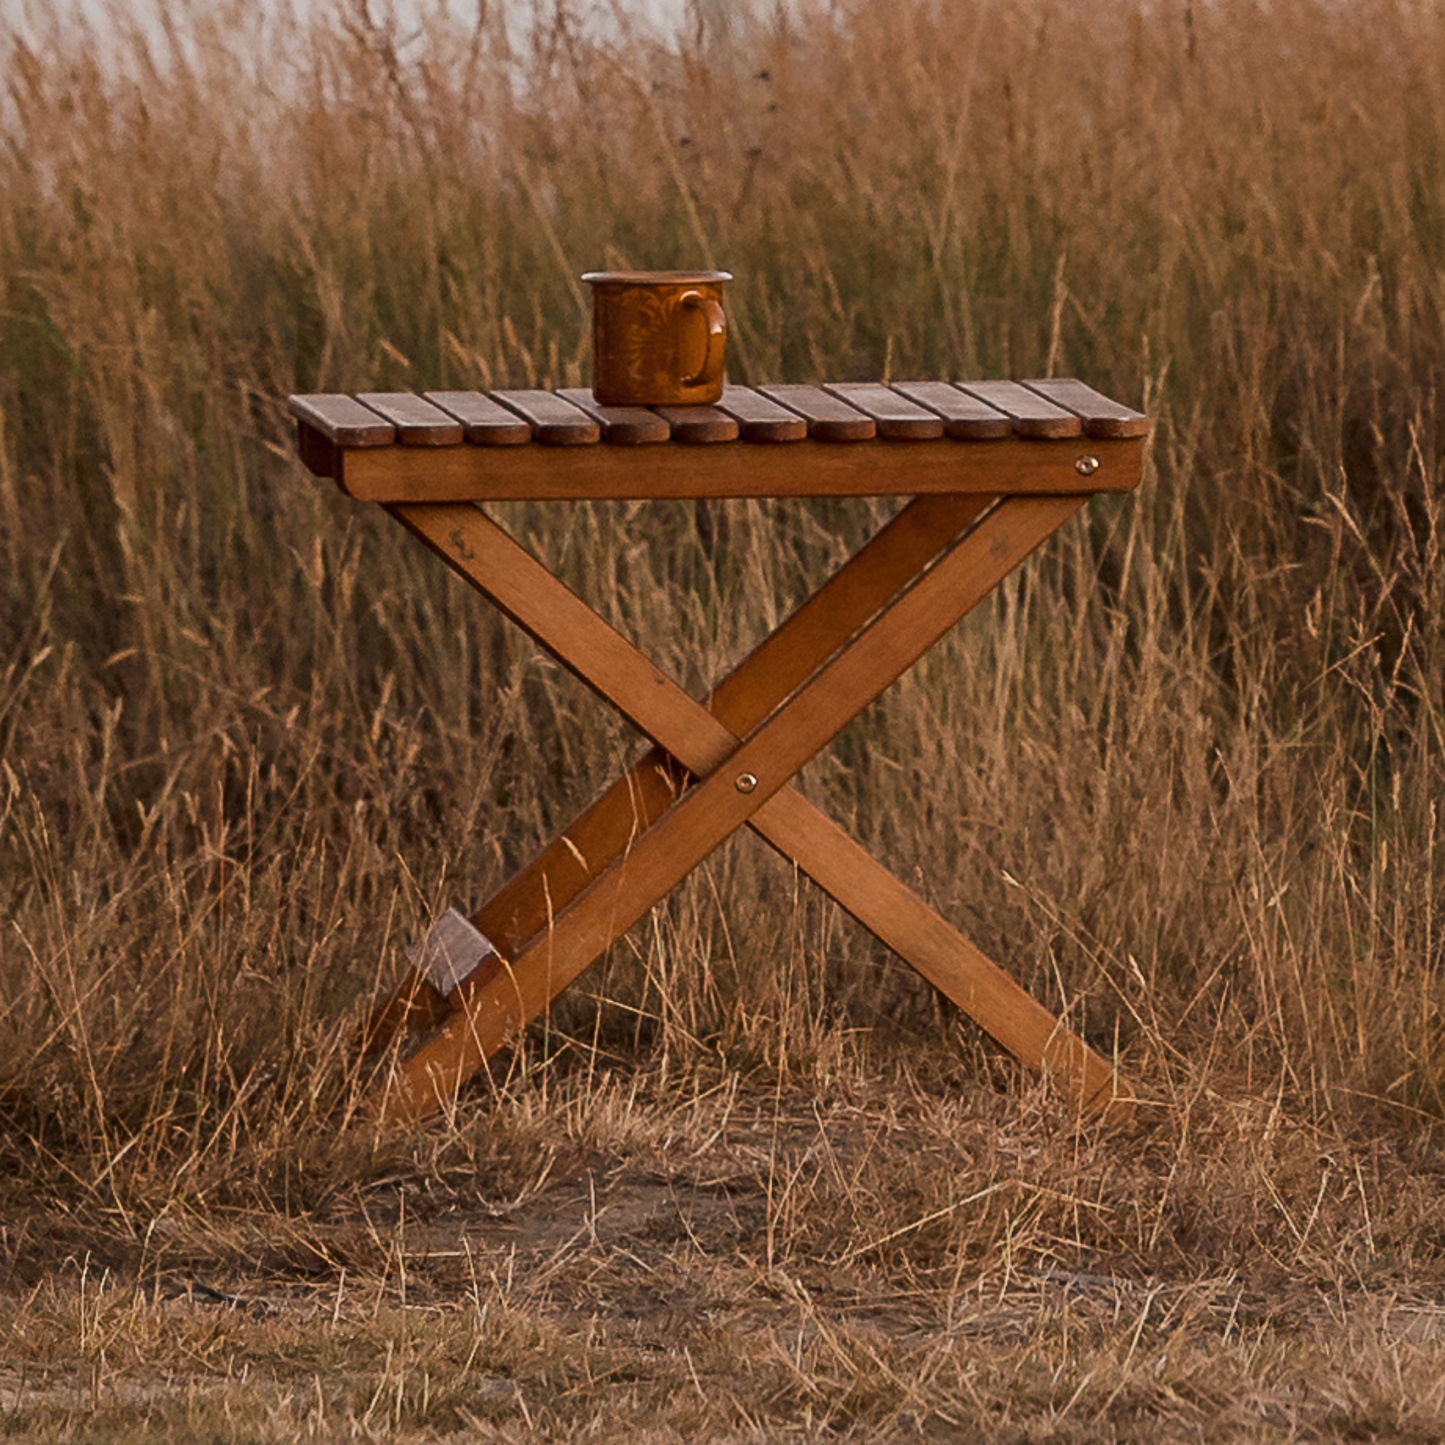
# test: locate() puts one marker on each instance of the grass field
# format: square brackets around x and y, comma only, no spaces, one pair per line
[750,1183]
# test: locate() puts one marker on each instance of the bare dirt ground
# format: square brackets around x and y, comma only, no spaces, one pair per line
[815,1263]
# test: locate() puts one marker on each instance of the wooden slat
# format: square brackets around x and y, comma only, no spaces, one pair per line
[342,419]
[829,420]
[800,469]
[760,419]
[699,425]
[1101,417]
[1032,415]
[897,417]
[418,423]
[965,417]
[484,422]
[555,423]
[621,425]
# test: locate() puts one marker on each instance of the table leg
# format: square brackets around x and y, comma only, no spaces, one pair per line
[695,825]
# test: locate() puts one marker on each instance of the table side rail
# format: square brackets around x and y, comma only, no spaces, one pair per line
[800,469]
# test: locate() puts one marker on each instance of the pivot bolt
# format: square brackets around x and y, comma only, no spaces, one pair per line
[1086,466]
[746,782]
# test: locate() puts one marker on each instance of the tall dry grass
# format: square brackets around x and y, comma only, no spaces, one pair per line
[1182,777]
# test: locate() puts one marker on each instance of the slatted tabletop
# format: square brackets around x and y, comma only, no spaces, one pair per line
[843,438]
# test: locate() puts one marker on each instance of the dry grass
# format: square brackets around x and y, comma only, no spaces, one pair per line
[1183,777]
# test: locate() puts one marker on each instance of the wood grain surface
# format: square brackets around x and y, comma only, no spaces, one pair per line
[1100,416]
[342,420]
[761,419]
[555,422]
[828,418]
[1033,415]
[699,425]
[799,469]
[621,425]
[486,423]
[897,417]
[965,417]
[418,423]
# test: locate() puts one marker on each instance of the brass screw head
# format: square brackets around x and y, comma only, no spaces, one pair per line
[1086,466]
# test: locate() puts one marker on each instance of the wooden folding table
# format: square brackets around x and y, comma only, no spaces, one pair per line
[992,468]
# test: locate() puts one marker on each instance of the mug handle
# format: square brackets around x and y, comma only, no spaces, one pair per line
[717,330]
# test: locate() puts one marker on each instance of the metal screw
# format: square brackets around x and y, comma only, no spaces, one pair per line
[1086,466]
[746,783]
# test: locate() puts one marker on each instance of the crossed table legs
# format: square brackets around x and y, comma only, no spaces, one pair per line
[862,629]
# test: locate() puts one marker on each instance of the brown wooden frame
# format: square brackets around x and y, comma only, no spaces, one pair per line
[978,510]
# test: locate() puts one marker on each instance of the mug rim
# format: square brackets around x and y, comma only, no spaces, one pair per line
[656,278]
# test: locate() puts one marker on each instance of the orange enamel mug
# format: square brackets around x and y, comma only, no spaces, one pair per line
[658,337]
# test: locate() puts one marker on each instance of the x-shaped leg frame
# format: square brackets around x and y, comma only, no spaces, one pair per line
[938,558]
